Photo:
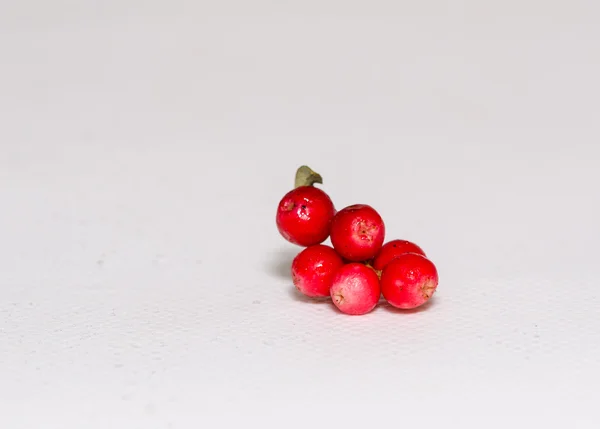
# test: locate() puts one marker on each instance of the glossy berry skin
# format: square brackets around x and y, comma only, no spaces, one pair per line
[409,281]
[355,289]
[313,270]
[357,232]
[304,216]
[394,248]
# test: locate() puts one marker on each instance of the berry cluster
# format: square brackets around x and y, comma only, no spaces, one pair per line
[360,266]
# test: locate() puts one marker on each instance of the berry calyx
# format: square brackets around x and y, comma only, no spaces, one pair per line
[392,249]
[357,232]
[355,289]
[313,270]
[409,281]
[305,213]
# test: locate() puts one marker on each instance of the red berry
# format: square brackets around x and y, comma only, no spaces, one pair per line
[392,249]
[409,281]
[313,270]
[357,232]
[355,289]
[304,216]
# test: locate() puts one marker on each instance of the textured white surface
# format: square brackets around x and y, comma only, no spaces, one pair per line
[144,148]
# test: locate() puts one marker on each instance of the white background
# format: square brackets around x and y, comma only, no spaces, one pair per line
[145,146]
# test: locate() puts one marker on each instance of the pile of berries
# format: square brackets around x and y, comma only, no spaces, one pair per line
[360,266]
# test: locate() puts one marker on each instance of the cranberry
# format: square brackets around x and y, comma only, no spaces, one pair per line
[355,289]
[357,232]
[313,270]
[392,249]
[409,281]
[304,216]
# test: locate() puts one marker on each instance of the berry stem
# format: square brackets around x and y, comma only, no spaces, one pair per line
[305,176]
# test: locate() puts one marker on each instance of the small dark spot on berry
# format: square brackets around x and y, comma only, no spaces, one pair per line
[303,207]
